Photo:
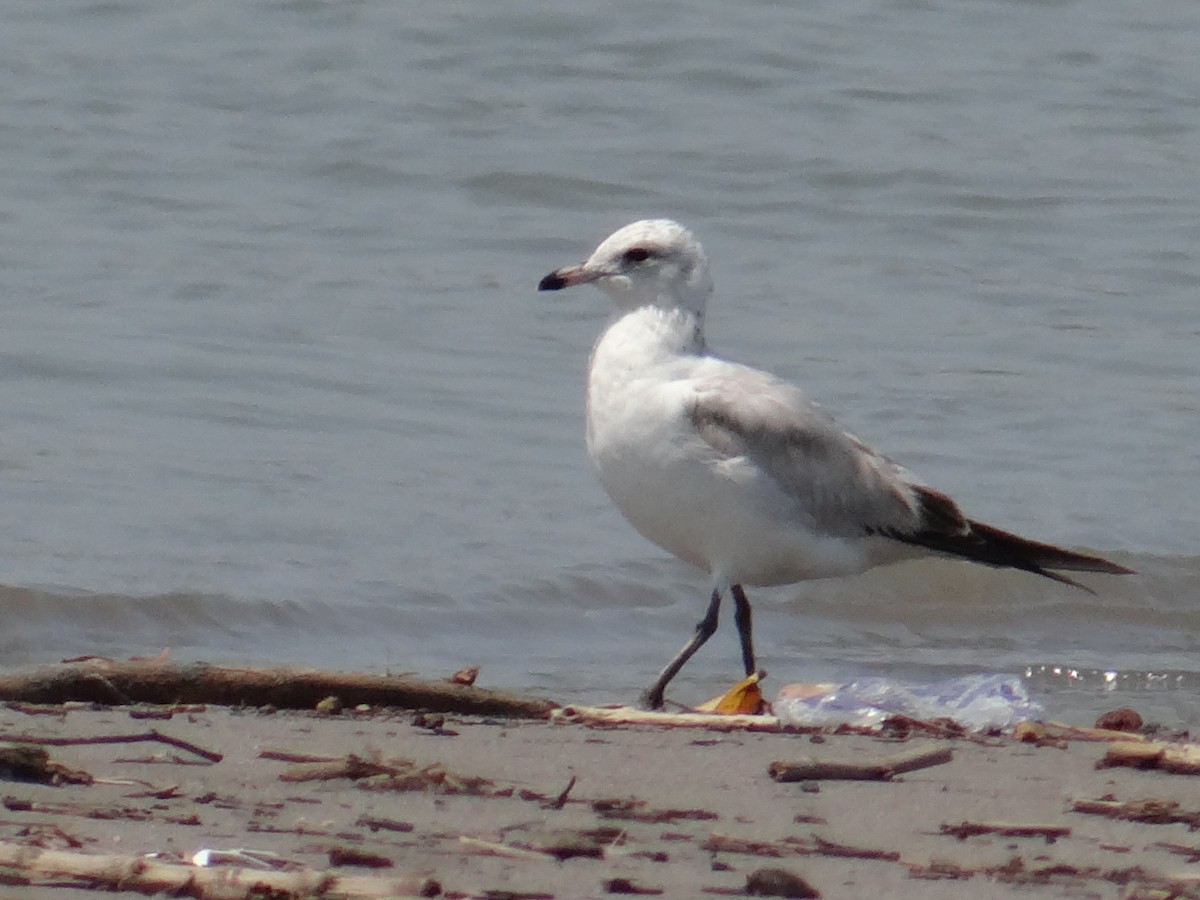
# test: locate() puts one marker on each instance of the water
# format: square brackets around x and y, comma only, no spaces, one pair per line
[277,387]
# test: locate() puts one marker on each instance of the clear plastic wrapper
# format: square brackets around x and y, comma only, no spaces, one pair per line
[974,701]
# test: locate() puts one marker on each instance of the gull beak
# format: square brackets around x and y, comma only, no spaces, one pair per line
[568,276]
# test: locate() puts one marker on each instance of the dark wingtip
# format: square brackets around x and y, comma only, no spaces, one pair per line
[552,282]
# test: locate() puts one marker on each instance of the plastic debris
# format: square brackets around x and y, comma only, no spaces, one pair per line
[974,701]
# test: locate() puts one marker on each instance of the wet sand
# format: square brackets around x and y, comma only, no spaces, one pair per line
[678,812]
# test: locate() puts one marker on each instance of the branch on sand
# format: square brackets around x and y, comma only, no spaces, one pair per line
[154,681]
[25,865]
[606,717]
[880,769]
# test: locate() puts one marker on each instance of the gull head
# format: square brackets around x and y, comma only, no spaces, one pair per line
[654,262]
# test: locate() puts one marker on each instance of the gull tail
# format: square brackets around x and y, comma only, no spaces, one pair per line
[991,546]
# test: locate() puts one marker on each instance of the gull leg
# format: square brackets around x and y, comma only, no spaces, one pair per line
[742,616]
[653,698]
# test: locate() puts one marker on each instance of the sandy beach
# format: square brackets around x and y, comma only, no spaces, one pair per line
[485,807]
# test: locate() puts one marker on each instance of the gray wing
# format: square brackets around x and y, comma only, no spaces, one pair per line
[846,487]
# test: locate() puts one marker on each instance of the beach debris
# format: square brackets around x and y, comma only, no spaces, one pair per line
[1177,759]
[879,769]
[631,810]
[958,704]
[1153,811]
[25,865]
[939,870]
[375,823]
[155,735]
[627,886]
[1121,719]
[157,681]
[465,676]
[743,699]
[376,774]
[152,713]
[344,855]
[496,848]
[778,883]
[294,756]
[31,762]
[329,706]
[901,726]
[351,766]
[560,800]
[819,846]
[48,836]
[434,723]
[1079,733]
[263,860]
[609,717]
[722,843]
[964,830]
[568,845]
[1191,852]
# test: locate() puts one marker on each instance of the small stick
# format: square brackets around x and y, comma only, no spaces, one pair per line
[493,848]
[294,756]
[831,848]
[811,769]
[721,843]
[1158,812]
[376,824]
[964,830]
[912,760]
[561,800]
[881,769]
[116,739]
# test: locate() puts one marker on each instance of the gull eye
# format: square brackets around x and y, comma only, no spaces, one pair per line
[636,255]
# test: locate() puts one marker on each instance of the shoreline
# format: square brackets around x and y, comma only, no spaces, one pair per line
[494,807]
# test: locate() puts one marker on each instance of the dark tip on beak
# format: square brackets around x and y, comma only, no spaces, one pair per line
[552,282]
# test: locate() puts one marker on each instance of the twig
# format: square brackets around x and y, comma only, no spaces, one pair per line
[561,800]
[831,848]
[377,824]
[721,843]
[880,769]
[117,739]
[1156,812]
[492,848]
[964,830]
[294,756]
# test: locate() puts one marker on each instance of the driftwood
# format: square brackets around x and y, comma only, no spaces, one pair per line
[1178,759]
[1056,733]
[24,865]
[155,681]
[880,769]
[625,715]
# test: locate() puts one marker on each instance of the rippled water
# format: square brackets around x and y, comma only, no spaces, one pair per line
[276,384]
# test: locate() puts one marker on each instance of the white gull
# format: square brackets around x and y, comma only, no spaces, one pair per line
[736,471]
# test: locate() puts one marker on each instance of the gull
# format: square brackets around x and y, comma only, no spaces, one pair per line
[735,470]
